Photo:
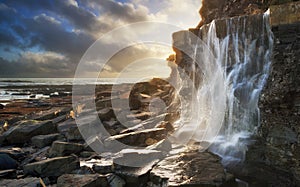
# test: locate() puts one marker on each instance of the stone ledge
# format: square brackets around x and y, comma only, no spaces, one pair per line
[285,13]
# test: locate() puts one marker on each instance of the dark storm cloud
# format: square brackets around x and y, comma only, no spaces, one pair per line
[50,34]
[46,66]
[56,27]
[7,14]
[124,11]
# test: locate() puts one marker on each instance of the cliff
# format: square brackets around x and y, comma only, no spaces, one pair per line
[273,158]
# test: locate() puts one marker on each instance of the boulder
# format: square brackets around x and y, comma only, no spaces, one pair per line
[103,166]
[14,152]
[50,114]
[41,141]
[89,180]
[87,154]
[36,156]
[139,138]
[6,162]
[192,168]
[136,176]
[83,170]
[106,114]
[28,182]
[73,134]
[64,126]
[64,148]
[52,167]
[25,130]
[115,181]
[136,158]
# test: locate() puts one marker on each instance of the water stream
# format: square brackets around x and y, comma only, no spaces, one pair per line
[223,106]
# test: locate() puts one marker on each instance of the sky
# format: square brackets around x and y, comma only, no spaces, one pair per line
[48,38]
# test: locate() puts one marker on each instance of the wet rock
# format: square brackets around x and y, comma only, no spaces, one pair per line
[103,166]
[63,127]
[115,181]
[8,174]
[83,170]
[25,130]
[164,146]
[87,154]
[52,167]
[147,124]
[103,103]
[279,135]
[74,134]
[64,148]
[285,14]
[166,125]
[89,180]
[139,138]
[14,152]
[142,115]
[6,162]
[136,157]
[1,106]
[191,168]
[41,141]
[37,156]
[50,114]
[28,182]
[135,176]
[106,114]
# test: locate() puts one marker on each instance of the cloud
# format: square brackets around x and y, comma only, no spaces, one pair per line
[127,12]
[41,64]
[37,36]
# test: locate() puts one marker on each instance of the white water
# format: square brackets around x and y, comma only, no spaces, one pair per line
[228,95]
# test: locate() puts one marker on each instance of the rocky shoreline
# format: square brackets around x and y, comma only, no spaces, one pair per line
[43,146]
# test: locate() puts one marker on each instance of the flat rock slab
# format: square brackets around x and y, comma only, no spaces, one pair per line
[75,180]
[28,182]
[136,158]
[190,169]
[25,130]
[41,141]
[64,148]
[52,167]
[139,138]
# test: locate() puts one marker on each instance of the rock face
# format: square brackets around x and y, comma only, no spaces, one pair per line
[220,9]
[25,130]
[278,142]
[190,169]
[274,158]
[52,167]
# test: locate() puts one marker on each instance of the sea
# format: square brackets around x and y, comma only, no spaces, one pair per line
[5,82]
[13,88]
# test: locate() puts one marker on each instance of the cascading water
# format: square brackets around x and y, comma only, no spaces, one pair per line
[234,71]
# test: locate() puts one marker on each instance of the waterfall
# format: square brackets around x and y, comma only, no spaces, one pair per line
[232,71]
